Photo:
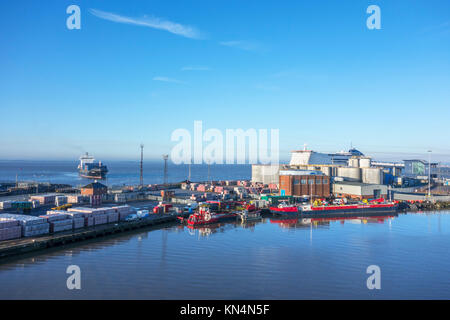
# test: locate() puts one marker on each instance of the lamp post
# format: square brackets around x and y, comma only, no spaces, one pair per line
[429,173]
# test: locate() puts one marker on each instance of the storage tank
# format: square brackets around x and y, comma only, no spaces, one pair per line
[365,162]
[257,175]
[326,171]
[353,162]
[350,174]
[270,174]
[372,176]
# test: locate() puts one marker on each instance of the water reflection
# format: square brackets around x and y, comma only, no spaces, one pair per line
[283,258]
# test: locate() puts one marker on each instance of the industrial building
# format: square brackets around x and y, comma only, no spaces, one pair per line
[358,190]
[266,173]
[419,169]
[353,166]
[302,183]
[327,163]
[308,157]
[95,191]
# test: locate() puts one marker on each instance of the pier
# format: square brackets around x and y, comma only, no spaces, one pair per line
[27,245]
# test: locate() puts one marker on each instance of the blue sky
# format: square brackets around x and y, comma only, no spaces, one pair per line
[311,69]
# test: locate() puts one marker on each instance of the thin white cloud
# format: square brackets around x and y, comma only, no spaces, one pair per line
[167,79]
[244,45]
[151,22]
[195,68]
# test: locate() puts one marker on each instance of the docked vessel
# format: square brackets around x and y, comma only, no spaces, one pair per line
[211,212]
[284,209]
[205,216]
[250,213]
[376,206]
[90,169]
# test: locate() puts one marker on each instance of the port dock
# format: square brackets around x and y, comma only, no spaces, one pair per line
[26,245]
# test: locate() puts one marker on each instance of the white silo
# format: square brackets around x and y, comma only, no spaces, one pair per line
[365,162]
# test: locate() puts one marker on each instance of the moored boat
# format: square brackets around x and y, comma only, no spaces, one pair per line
[379,206]
[284,209]
[207,214]
[250,213]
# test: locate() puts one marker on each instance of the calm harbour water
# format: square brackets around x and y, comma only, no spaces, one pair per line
[120,172]
[264,260]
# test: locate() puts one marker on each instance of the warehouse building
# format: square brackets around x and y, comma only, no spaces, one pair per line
[95,191]
[358,190]
[419,169]
[304,183]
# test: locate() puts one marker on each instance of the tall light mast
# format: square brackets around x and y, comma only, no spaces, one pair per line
[141,177]
[165,157]
[189,175]
[429,174]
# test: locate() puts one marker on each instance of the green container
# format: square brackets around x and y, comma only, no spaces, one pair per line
[21,205]
[275,200]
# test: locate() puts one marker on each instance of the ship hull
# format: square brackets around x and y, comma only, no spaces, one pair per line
[92,176]
[284,211]
[222,217]
[380,208]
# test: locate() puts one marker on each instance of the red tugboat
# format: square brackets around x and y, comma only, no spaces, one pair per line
[284,209]
[207,214]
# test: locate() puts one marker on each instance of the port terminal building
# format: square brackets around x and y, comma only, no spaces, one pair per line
[95,191]
[357,190]
[420,169]
[314,184]
[355,174]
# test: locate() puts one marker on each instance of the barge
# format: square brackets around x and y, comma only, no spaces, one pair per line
[388,207]
[376,206]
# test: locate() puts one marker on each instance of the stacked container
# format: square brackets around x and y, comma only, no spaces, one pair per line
[123,211]
[77,198]
[193,186]
[78,219]
[111,215]
[93,216]
[45,199]
[58,221]
[5,204]
[31,226]
[9,229]
[201,188]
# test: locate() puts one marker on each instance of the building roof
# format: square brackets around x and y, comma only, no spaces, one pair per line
[301,173]
[420,160]
[355,152]
[95,186]
[355,183]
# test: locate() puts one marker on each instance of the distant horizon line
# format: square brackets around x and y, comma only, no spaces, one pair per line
[127,160]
